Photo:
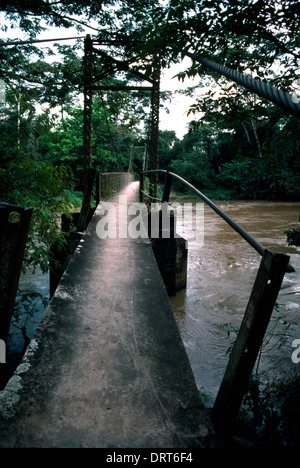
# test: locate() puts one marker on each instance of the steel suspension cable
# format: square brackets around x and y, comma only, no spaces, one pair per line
[261,88]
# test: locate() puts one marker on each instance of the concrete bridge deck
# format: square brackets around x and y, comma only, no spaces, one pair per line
[107,367]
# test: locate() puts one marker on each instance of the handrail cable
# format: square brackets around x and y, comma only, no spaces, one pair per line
[284,100]
[248,238]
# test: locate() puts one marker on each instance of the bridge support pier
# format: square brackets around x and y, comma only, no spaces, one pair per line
[170,251]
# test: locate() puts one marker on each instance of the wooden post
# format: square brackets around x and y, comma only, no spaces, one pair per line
[142,184]
[14,226]
[86,203]
[167,188]
[249,340]
[98,188]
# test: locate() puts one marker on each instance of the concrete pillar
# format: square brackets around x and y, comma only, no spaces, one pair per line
[170,252]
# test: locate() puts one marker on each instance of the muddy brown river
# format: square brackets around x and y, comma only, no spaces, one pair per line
[221,274]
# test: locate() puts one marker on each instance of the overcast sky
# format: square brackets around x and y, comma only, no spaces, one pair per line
[177,119]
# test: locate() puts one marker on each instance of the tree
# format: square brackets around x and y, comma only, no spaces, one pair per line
[192,158]
[264,160]
[250,36]
[30,183]
[167,141]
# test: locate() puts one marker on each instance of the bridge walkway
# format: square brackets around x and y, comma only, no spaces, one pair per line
[107,367]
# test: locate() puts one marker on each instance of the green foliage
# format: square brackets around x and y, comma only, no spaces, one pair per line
[241,176]
[274,409]
[258,140]
[259,179]
[39,185]
[27,304]
[63,144]
[192,158]
[196,169]
[271,407]
[293,236]
[214,158]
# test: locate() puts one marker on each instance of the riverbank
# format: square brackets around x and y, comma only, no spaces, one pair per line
[213,194]
[223,194]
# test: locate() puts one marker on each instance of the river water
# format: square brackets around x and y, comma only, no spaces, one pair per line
[33,297]
[220,278]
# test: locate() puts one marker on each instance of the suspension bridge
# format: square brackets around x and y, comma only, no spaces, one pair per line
[107,367]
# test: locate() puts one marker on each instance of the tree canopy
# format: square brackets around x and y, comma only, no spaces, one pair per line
[256,36]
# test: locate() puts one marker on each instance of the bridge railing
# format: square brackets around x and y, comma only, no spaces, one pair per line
[258,312]
[111,183]
[105,184]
